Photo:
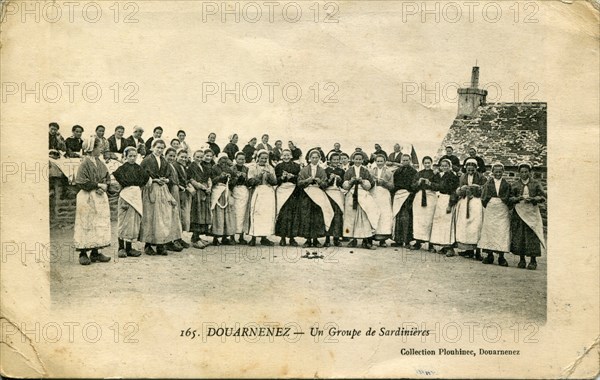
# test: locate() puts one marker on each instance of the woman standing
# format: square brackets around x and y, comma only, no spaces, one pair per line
[200,216]
[423,205]
[469,210]
[287,197]
[185,192]
[384,183]
[360,210]
[249,150]
[526,226]
[261,220]
[315,214]
[176,244]
[240,195]
[404,178]
[231,149]
[495,232]
[335,179]
[158,203]
[132,179]
[442,228]
[221,200]
[92,217]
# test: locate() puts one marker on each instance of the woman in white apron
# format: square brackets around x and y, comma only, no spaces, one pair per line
[132,178]
[262,207]
[221,205]
[384,183]
[424,205]
[469,211]
[442,229]
[240,196]
[361,213]
[92,216]
[495,232]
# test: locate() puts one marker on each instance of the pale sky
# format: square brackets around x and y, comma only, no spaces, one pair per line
[379,58]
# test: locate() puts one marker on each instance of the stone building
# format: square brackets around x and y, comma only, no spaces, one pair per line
[506,132]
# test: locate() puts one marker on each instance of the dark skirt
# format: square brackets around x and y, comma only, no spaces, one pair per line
[403,223]
[200,214]
[523,242]
[300,216]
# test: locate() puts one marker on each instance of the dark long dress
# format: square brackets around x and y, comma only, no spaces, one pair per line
[306,218]
[403,180]
[524,240]
[285,218]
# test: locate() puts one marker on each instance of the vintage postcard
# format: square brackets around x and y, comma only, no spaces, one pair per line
[299,189]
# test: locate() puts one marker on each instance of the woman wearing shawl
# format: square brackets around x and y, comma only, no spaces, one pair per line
[240,195]
[404,178]
[186,191]
[132,179]
[158,203]
[296,152]
[313,214]
[92,216]
[335,179]
[176,244]
[231,149]
[423,205]
[360,210]
[287,197]
[200,215]
[221,200]
[262,209]
[526,227]
[495,232]
[442,228]
[469,210]
[249,150]
[384,183]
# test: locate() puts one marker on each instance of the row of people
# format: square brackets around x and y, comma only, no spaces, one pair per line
[165,195]
[114,146]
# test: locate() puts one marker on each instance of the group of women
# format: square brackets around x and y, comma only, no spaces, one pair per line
[244,202]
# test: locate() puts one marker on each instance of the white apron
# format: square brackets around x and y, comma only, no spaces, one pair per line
[442,228]
[262,211]
[495,232]
[320,198]
[530,214]
[423,216]
[283,193]
[92,220]
[240,195]
[468,229]
[383,199]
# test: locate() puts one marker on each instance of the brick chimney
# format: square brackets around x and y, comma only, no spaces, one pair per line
[471,98]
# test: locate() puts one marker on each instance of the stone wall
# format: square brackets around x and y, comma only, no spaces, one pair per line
[63,204]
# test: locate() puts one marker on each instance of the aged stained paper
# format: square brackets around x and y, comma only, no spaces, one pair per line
[354,72]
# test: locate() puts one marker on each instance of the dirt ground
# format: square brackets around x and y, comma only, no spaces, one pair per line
[384,282]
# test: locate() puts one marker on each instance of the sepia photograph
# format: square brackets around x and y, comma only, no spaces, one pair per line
[299,189]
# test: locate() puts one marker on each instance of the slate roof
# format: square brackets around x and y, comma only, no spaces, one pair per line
[505,132]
